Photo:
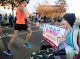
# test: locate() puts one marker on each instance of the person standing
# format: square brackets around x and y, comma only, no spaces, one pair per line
[11,20]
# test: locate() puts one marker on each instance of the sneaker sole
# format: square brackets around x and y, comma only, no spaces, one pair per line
[7,53]
[27,47]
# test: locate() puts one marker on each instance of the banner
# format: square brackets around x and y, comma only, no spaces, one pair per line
[52,32]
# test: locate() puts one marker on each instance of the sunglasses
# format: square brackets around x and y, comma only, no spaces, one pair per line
[27,1]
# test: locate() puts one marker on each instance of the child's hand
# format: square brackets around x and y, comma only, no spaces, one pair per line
[61,39]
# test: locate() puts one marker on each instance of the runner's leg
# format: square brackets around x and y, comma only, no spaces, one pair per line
[28,35]
[16,33]
[7,50]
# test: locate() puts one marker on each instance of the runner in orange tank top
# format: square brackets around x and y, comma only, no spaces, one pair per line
[20,17]
[20,24]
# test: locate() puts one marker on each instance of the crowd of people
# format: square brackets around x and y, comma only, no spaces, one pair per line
[6,19]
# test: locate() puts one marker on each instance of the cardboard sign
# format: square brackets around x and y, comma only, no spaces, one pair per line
[52,32]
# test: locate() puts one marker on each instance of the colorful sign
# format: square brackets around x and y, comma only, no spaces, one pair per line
[52,32]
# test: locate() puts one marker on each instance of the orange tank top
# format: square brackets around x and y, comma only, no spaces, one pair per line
[20,17]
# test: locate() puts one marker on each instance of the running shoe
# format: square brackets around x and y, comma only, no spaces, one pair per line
[27,45]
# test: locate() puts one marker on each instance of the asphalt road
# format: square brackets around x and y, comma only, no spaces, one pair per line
[17,49]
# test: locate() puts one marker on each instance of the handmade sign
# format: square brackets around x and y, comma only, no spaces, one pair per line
[52,32]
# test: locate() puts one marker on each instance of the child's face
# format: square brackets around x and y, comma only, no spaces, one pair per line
[65,24]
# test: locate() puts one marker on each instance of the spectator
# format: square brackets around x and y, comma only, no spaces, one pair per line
[0,17]
[45,19]
[0,25]
[69,44]
[11,20]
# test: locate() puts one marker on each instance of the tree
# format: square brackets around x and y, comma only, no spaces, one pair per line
[62,4]
[11,3]
[52,10]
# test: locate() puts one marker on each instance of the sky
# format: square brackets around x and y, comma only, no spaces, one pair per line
[73,5]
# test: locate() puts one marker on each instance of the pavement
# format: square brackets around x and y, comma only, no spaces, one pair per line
[17,48]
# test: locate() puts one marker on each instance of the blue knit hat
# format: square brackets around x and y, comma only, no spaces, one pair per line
[70,18]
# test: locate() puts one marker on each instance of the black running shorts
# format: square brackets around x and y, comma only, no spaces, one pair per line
[21,27]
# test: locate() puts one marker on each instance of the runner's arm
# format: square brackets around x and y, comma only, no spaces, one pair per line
[26,13]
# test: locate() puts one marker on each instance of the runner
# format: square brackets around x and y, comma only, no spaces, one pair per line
[20,24]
